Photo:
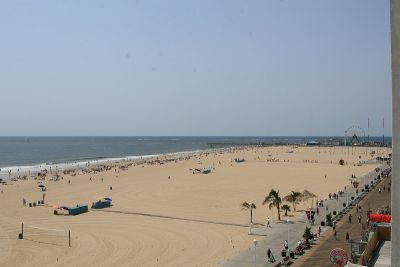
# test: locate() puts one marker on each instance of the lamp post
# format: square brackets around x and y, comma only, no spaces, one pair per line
[255,251]
[287,221]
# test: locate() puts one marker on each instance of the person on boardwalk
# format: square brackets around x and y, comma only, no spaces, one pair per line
[359,218]
[347,237]
[270,256]
[350,218]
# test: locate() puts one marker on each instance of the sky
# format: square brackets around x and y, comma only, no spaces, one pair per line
[176,68]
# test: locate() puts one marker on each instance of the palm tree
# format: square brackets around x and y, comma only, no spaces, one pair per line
[249,206]
[286,208]
[294,198]
[274,200]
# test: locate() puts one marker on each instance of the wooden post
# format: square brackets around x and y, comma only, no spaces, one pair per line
[22,230]
[69,238]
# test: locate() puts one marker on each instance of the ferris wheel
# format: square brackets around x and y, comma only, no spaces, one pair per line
[354,135]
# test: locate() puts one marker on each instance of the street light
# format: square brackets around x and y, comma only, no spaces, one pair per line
[287,221]
[255,250]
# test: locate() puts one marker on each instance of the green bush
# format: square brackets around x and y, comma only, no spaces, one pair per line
[307,233]
[329,218]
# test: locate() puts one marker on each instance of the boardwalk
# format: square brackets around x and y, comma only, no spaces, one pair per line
[318,255]
[273,237]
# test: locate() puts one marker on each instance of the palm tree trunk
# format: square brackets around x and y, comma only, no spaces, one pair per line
[251,215]
[279,213]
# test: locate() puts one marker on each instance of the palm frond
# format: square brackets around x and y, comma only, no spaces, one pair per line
[245,205]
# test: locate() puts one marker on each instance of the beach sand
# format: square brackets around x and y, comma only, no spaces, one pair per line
[188,219]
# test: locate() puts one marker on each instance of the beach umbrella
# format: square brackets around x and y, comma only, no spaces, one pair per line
[306,195]
[108,199]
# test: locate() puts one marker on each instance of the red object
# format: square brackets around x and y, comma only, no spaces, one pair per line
[373,217]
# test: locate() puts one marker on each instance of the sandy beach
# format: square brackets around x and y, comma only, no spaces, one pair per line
[163,213]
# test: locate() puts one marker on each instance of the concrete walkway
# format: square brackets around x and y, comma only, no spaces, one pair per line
[318,255]
[273,237]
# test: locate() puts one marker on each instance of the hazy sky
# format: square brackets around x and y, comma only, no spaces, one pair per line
[270,67]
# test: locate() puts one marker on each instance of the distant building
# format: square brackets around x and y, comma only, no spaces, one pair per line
[313,143]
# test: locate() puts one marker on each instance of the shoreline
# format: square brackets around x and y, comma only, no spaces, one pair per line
[34,169]
[28,170]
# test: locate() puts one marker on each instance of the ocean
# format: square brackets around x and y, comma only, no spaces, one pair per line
[32,153]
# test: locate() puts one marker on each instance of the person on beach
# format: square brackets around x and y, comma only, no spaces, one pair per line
[270,256]
[335,234]
[350,218]
[268,222]
[23,202]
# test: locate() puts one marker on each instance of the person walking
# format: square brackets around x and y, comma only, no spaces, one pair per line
[286,245]
[347,237]
[350,218]
[268,222]
[270,256]
[359,218]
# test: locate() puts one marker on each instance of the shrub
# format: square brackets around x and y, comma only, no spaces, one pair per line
[329,217]
[307,233]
